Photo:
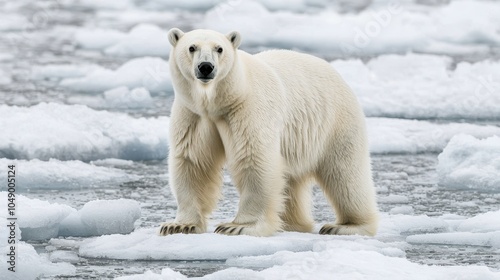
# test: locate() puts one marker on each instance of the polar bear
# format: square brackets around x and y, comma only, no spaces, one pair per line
[278,120]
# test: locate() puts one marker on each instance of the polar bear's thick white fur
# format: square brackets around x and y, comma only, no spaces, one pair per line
[278,119]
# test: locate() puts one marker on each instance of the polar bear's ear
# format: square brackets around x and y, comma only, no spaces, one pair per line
[174,35]
[235,38]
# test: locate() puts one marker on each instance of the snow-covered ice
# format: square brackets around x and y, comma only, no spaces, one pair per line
[31,265]
[142,40]
[122,97]
[76,132]
[61,71]
[424,86]
[100,217]
[56,174]
[146,244]
[151,73]
[42,220]
[37,219]
[389,27]
[411,136]
[321,256]
[470,163]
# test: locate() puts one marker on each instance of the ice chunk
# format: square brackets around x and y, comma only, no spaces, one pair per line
[98,38]
[489,239]
[393,199]
[340,263]
[122,97]
[411,136]
[30,265]
[166,274]
[134,43]
[486,222]
[400,86]
[406,209]
[5,78]
[76,132]
[151,73]
[112,162]
[37,219]
[145,244]
[393,225]
[55,174]
[61,71]
[127,44]
[101,217]
[387,27]
[470,163]
[64,256]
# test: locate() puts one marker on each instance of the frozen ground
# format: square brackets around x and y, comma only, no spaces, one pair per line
[85,96]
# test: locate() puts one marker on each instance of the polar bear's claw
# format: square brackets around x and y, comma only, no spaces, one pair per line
[229,229]
[172,228]
[349,229]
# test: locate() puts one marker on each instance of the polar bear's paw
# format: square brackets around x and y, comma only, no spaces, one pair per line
[230,229]
[348,229]
[173,228]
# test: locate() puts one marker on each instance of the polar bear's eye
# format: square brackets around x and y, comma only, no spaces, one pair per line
[192,49]
[219,50]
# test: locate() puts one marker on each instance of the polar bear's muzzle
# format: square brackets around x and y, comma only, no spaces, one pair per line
[205,71]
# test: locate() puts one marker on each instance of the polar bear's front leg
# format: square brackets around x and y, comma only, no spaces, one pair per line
[257,170]
[196,159]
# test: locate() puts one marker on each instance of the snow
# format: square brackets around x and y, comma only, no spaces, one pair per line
[412,136]
[470,163]
[56,174]
[151,73]
[100,217]
[30,265]
[399,86]
[142,40]
[76,132]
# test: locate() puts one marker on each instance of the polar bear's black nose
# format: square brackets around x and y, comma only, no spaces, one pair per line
[205,68]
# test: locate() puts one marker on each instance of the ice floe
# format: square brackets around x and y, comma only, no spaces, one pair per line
[42,220]
[424,86]
[387,27]
[55,174]
[411,136]
[76,132]
[470,163]
[142,40]
[30,265]
[151,73]
[100,217]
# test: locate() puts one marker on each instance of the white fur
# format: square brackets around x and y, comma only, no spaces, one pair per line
[278,119]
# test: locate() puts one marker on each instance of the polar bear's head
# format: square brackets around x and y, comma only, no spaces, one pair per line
[203,55]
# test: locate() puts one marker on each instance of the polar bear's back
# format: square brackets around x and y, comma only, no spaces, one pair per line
[318,103]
